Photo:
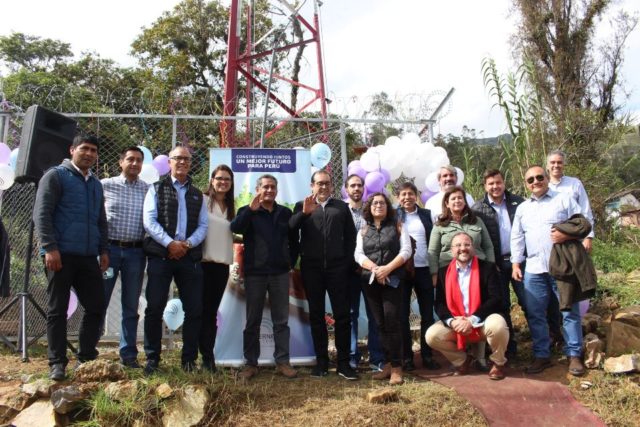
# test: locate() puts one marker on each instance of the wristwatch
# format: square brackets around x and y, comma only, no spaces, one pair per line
[189,245]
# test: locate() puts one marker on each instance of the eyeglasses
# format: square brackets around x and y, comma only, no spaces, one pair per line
[538,178]
[181,159]
[461,245]
[379,203]
[323,183]
[222,178]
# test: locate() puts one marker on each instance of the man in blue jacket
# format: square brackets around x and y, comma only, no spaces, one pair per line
[269,251]
[71,223]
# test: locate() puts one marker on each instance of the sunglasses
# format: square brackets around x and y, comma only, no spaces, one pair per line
[538,178]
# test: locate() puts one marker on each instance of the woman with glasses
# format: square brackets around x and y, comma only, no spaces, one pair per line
[456,217]
[216,257]
[382,248]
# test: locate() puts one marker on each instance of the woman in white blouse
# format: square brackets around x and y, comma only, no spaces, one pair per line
[216,258]
[382,247]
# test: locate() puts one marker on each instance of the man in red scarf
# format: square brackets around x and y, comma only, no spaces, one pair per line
[468,302]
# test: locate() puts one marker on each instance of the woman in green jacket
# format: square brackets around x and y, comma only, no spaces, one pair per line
[456,217]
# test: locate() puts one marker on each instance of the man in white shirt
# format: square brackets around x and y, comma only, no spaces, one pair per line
[468,300]
[558,181]
[448,178]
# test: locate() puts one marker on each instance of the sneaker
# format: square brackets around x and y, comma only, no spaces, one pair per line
[248,372]
[539,364]
[130,363]
[430,364]
[286,370]
[56,372]
[151,367]
[319,371]
[347,373]
[481,365]
[189,366]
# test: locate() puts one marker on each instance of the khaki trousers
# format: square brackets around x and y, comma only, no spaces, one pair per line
[495,331]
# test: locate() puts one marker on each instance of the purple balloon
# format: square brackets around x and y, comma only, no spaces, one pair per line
[386,174]
[5,153]
[374,181]
[353,164]
[358,170]
[343,191]
[161,163]
[426,195]
[365,194]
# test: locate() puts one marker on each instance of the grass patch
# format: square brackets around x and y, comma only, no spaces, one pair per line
[615,398]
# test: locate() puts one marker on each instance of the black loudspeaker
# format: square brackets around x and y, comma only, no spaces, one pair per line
[45,142]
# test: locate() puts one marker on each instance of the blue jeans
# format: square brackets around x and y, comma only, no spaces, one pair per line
[376,354]
[539,289]
[129,263]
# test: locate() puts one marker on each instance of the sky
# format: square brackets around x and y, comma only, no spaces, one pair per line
[414,50]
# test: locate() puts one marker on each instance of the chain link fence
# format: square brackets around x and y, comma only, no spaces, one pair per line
[116,132]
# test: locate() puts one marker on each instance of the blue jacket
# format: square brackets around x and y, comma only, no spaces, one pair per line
[69,214]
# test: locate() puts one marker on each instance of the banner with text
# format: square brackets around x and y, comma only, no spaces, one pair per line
[292,169]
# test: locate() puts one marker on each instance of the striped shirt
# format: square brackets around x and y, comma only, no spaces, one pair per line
[123,202]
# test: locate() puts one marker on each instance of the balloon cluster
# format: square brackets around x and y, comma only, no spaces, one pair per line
[8,160]
[153,169]
[406,156]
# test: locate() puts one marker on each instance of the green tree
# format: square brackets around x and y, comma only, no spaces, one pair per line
[33,53]
[381,108]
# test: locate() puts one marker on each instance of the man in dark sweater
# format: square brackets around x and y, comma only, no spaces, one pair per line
[327,247]
[71,224]
[175,219]
[269,250]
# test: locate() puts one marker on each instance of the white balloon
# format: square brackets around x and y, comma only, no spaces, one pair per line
[410,139]
[370,161]
[389,160]
[431,182]
[7,176]
[460,179]
[392,141]
[149,173]
[173,315]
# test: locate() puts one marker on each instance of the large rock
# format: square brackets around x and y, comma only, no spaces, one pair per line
[593,353]
[188,409]
[622,365]
[164,391]
[67,399]
[40,414]
[99,370]
[39,388]
[122,390]
[12,401]
[590,323]
[624,331]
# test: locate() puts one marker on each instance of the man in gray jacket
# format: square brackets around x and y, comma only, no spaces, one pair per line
[71,223]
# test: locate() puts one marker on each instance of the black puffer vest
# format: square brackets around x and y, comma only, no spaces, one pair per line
[167,204]
[383,245]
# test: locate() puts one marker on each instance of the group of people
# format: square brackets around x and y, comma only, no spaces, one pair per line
[458,256]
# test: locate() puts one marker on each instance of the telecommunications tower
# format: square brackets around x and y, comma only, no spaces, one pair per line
[242,65]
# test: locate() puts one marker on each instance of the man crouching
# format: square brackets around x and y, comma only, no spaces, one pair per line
[467,303]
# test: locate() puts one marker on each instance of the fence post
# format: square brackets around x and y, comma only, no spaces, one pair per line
[4,126]
[174,132]
[343,149]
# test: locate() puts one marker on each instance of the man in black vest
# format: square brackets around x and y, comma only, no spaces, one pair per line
[175,219]
[327,246]
[496,209]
